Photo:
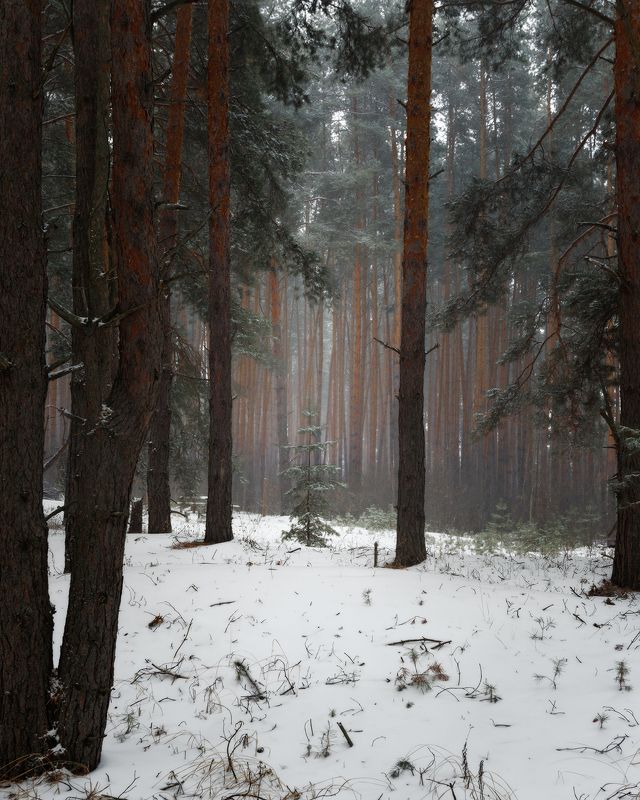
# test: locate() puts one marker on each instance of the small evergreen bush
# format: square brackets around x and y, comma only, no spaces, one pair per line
[312,481]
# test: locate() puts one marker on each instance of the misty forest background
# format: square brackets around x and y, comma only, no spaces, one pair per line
[317,151]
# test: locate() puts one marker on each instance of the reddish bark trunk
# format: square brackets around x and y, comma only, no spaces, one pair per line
[280,385]
[110,454]
[356,387]
[626,565]
[218,527]
[410,543]
[158,482]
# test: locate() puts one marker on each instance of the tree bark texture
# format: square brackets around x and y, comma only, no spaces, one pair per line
[25,612]
[356,380]
[218,525]
[93,281]
[410,543]
[158,481]
[280,386]
[111,449]
[626,565]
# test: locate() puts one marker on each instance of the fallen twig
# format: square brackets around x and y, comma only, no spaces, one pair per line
[438,642]
[184,639]
[614,744]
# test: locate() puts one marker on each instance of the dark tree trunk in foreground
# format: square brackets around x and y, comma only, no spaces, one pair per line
[626,565]
[158,483]
[110,454]
[218,528]
[410,545]
[93,281]
[25,613]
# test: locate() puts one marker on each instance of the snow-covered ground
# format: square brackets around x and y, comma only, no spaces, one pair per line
[238,666]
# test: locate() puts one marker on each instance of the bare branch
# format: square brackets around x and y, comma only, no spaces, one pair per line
[602,17]
[52,459]
[55,512]
[167,8]
[562,109]
[385,344]
[68,316]
[53,375]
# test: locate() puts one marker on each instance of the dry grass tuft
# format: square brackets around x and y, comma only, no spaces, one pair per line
[607,589]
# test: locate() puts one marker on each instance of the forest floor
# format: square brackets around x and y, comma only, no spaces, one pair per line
[242,669]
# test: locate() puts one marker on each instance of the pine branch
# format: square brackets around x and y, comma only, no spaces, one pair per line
[387,345]
[52,459]
[561,111]
[594,11]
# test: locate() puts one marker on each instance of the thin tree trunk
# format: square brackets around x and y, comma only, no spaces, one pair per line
[110,454]
[218,526]
[319,362]
[281,387]
[25,613]
[356,389]
[341,385]
[393,385]
[626,565]
[158,483]
[410,542]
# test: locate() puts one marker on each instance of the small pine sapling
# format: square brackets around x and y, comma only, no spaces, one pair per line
[558,668]
[622,675]
[601,717]
[402,765]
[490,693]
[501,522]
[418,677]
[313,480]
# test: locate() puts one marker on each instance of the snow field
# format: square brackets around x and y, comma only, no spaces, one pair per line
[238,663]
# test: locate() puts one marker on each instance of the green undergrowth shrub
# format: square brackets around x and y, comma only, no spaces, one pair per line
[566,532]
[371,519]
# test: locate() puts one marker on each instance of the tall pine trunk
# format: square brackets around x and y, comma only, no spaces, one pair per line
[626,565]
[92,345]
[25,613]
[218,526]
[158,483]
[280,385]
[410,543]
[108,460]
[356,386]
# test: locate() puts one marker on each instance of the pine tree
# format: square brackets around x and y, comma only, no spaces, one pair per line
[410,544]
[158,484]
[313,480]
[626,565]
[94,345]
[25,613]
[109,457]
[218,527]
